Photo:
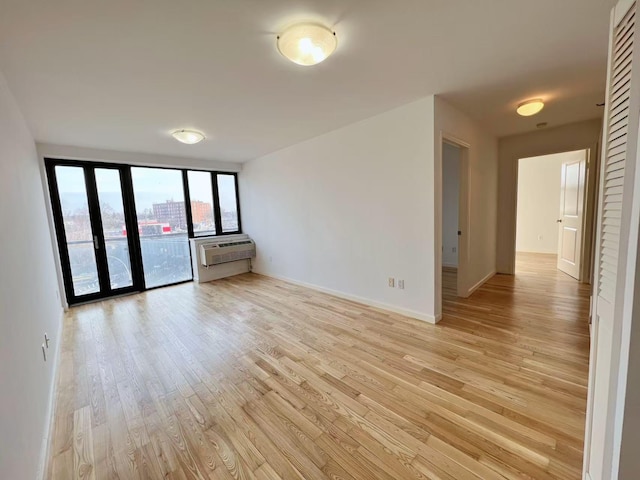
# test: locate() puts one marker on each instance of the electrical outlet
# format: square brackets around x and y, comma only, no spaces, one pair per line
[392,282]
[401,284]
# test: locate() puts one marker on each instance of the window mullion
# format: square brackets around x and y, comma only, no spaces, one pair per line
[216,203]
[187,203]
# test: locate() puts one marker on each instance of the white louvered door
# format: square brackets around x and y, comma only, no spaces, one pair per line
[620,121]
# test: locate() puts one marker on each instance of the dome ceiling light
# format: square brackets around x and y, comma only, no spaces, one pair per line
[530,107]
[307,43]
[189,137]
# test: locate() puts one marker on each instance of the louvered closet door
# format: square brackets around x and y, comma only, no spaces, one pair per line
[620,122]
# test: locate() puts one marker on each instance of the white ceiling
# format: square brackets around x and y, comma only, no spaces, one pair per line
[122,74]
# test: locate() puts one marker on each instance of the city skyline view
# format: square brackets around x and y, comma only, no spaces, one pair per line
[162,222]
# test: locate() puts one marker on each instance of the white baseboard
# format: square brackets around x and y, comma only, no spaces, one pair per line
[45,449]
[480,283]
[355,298]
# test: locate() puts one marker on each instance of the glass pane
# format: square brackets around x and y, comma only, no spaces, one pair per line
[228,203]
[77,230]
[113,227]
[201,193]
[162,223]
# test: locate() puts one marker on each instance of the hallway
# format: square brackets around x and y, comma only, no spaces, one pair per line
[251,377]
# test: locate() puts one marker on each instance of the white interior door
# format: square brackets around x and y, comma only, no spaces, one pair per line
[621,123]
[570,222]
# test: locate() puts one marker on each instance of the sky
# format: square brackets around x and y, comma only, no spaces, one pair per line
[150,185]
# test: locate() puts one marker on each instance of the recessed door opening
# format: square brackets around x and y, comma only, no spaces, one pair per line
[451,157]
[552,229]
[454,221]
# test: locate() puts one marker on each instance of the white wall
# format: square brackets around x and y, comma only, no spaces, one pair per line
[346,210]
[29,306]
[539,202]
[566,138]
[479,236]
[450,204]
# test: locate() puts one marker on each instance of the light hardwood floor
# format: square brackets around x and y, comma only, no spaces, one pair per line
[251,377]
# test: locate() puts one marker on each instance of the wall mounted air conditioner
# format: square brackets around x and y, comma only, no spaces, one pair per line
[226,251]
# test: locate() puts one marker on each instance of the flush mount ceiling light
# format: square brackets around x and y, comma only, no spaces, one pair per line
[188,136]
[530,107]
[307,43]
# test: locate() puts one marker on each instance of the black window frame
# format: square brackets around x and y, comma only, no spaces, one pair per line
[128,197]
[217,213]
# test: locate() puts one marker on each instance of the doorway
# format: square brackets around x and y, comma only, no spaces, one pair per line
[454,232]
[98,260]
[119,229]
[551,225]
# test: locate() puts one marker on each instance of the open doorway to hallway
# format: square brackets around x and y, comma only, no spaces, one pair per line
[553,226]
[451,156]
[455,217]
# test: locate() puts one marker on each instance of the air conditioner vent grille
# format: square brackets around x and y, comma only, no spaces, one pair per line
[243,242]
[225,252]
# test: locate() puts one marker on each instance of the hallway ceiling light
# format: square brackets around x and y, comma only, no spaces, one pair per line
[307,43]
[530,107]
[188,136]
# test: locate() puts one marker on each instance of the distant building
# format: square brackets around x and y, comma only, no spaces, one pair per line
[172,213]
[201,212]
[175,215]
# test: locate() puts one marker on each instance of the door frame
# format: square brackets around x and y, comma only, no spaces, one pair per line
[590,206]
[135,254]
[575,136]
[464,224]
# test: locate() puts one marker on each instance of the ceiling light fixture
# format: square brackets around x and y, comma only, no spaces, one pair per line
[188,136]
[307,43]
[530,107]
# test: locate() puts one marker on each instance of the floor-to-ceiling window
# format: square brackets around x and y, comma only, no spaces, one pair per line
[77,233]
[123,228]
[162,225]
[110,199]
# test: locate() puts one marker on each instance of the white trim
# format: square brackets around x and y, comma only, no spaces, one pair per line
[488,277]
[355,298]
[464,216]
[586,456]
[45,449]
[68,152]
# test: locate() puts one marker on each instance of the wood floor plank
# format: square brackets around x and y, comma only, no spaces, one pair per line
[83,459]
[253,378]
